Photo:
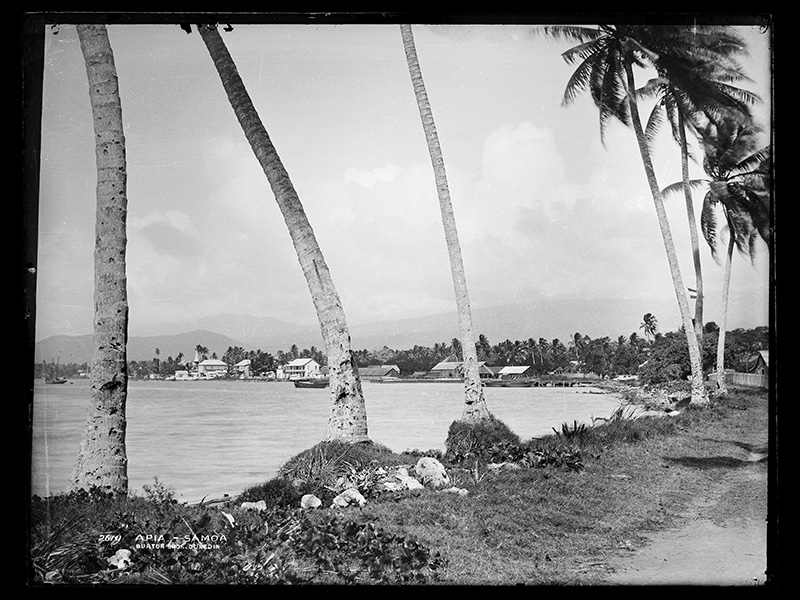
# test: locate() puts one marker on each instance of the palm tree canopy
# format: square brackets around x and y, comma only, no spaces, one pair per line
[694,65]
[739,177]
[695,69]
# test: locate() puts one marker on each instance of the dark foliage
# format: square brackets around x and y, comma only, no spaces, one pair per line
[75,538]
[465,439]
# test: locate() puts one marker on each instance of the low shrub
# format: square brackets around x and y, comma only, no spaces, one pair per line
[328,460]
[275,492]
[472,439]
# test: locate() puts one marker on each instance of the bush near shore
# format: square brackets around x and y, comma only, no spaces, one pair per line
[555,512]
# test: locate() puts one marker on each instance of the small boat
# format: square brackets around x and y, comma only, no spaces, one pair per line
[518,383]
[311,383]
[494,383]
[52,375]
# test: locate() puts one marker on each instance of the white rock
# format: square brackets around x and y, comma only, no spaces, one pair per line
[310,501]
[432,473]
[347,497]
[408,482]
[121,559]
[391,486]
[259,506]
[455,490]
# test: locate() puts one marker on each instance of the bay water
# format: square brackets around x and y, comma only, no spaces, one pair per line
[209,438]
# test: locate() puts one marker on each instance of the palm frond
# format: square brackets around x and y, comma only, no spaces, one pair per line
[753,164]
[677,187]
[654,122]
[577,33]
[708,223]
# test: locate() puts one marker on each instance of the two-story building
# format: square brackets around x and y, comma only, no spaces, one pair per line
[212,367]
[302,368]
[243,368]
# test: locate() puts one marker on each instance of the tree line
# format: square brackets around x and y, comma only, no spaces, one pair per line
[655,358]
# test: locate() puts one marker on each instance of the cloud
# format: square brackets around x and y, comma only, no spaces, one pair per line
[369,178]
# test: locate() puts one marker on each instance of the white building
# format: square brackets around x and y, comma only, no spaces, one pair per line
[455,370]
[243,368]
[515,371]
[211,367]
[302,368]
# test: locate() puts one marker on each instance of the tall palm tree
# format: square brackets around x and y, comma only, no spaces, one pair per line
[695,69]
[103,462]
[475,408]
[483,347]
[348,417]
[606,56]
[739,181]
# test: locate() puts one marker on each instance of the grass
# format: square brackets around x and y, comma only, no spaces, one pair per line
[582,496]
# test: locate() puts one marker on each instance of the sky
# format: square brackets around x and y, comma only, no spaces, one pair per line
[544,209]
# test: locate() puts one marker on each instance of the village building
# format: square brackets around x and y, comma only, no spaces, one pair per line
[454,370]
[212,367]
[513,371]
[377,372]
[761,363]
[302,368]
[243,368]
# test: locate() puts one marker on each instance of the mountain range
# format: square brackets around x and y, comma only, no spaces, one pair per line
[547,319]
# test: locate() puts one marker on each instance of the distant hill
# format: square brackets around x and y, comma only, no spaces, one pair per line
[556,318]
[548,319]
[78,349]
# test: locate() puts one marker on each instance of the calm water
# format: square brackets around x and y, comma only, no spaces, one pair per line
[215,437]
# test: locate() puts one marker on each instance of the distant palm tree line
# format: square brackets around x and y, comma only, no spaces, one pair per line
[603,355]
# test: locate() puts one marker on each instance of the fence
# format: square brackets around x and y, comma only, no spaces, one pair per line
[743,379]
[747,379]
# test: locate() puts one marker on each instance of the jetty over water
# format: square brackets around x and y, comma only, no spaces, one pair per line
[545,381]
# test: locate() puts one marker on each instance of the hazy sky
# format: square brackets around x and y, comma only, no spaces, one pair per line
[543,208]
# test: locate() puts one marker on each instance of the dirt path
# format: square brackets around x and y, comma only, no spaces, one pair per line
[721,539]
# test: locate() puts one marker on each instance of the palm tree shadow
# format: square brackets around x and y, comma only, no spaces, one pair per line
[758,452]
[752,447]
[708,462]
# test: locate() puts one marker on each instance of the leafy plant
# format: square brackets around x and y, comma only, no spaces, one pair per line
[576,433]
[158,493]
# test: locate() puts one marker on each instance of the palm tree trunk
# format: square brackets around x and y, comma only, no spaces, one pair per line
[348,418]
[474,405]
[726,283]
[699,395]
[693,235]
[102,462]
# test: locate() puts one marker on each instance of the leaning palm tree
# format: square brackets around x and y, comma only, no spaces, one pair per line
[739,178]
[695,69]
[474,403]
[348,417]
[606,56]
[102,462]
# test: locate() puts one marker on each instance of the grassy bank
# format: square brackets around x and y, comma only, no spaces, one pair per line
[555,513]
